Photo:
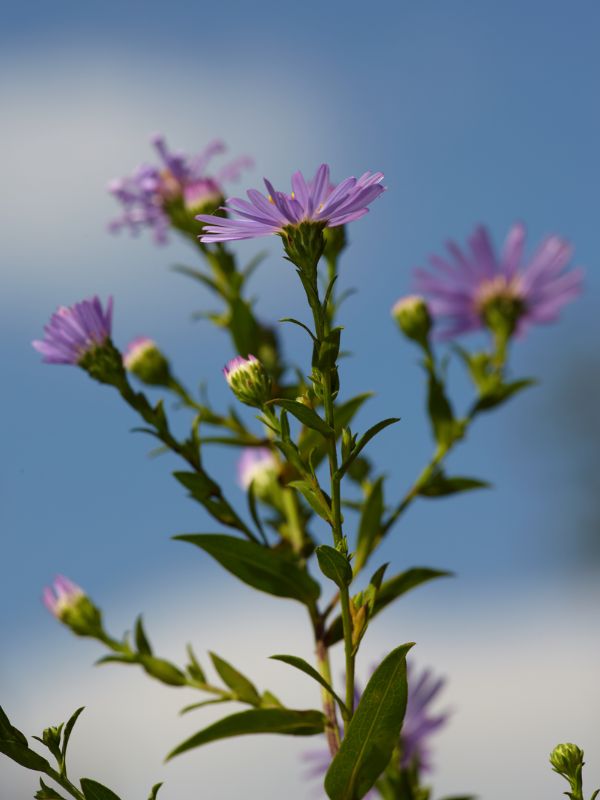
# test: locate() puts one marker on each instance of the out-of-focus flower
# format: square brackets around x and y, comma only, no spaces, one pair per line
[248,380]
[418,726]
[257,466]
[477,288]
[413,317]
[69,604]
[154,196]
[143,358]
[314,201]
[75,331]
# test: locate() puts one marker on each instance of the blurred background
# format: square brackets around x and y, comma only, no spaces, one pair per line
[476,112]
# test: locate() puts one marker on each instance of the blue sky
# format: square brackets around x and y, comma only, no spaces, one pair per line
[476,112]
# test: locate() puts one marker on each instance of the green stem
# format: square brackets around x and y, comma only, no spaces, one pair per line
[332,731]
[292,512]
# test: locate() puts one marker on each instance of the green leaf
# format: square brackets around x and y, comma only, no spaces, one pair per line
[446,429]
[373,731]
[263,569]
[304,666]
[370,522]
[194,669]
[389,591]
[213,702]
[46,792]
[141,640]
[334,565]
[315,497]
[256,720]
[440,485]
[500,394]
[326,356]
[300,325]
[366,438]
[92,790]
[245,690]
[162,670]
[208,493]
[305,415]
[69,730]
[310,441]
[14,745]
[154,791]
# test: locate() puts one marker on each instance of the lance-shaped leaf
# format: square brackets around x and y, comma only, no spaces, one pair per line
[244,689]
[141,640]
[311,442]
[256,720]
[389,591]
[500,394]
[334,565]
[46,792]
[258,566]
[14,745]
[304,666]
[365,439]
[305,415]
[373,731]
[68,731]
[92,790]
[370,521]
[154,791]
[440,485]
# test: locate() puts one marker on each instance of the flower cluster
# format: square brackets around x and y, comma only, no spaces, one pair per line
[316,200]
[148,193]
[475,289]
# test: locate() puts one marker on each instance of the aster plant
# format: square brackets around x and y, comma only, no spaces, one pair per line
[318,508]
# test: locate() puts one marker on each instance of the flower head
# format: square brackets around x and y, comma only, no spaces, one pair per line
[418,726]
[248,380]
[155,196]
[316,201]
[258,466]
[75,331]
[478,288]
[69,604]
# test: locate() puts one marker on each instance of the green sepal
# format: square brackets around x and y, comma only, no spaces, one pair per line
[334,565]
[389,591]
[92,790]
[260,567]
[256,720]
[242,687]
[373,731]
[304,666]
[440,485]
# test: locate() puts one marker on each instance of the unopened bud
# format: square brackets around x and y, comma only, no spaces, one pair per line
[143,358]
[413,318]
[567,760]
[248,380]
[69,604]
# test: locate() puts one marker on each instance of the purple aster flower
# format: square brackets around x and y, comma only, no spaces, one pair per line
[146,194]
[61,596]
[256,465]
[316,200]
[418,726]
[74,331]
[468,289]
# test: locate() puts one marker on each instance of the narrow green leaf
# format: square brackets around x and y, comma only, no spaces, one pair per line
[256,720]
[500,394]
[69,730]
[334,565]
[154,791]
[366,438]
[264,569]
[245,690]
[162,670]
[194,669]
[315,497]
[305,415]
[389,591]
[141,640]
[311,441]
[370,521]
[300,325]
[304,666]
[213,702]
[92,790]
[373,731]
[14,745]
[440,485]
[254,513]
[46,792]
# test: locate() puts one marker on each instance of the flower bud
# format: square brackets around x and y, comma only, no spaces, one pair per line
[248,380]
[202,196]
[567,760]
[143,358]
[258,468]
[413,318]
[69,604]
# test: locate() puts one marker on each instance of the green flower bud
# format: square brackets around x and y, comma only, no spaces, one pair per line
[567,760]
[143,358]
[248,380]
[69,604]
[413,318]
